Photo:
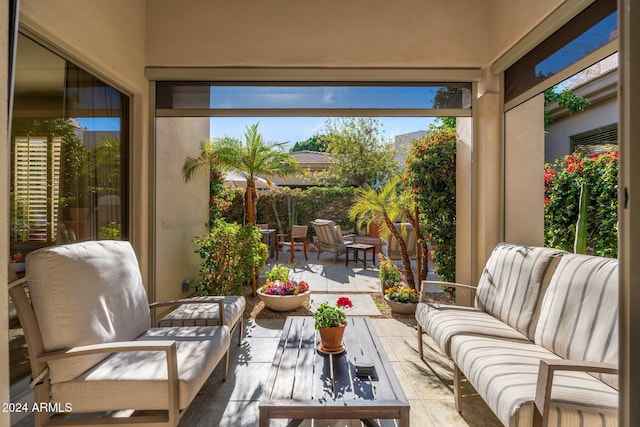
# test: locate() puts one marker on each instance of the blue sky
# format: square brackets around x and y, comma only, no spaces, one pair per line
[294,129]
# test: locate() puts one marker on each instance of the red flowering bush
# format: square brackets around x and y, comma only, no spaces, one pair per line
[562,182]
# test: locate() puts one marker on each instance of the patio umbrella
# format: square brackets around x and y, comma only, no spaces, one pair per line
[239,179]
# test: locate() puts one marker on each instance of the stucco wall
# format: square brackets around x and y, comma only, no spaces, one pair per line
[556,140]
[524,186]
[358,33]
[181,208]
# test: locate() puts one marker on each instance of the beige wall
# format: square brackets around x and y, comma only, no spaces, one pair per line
[4,211]
[464,207]
[488,176]
[524,162]
[181,208]
[332,33]
[108,38]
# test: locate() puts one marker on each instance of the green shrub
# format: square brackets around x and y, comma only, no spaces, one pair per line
[431,171]
[562,181]
[278,272]
[230,254]
[275,206]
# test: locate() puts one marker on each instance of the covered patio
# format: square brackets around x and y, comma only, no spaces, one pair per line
[137,48]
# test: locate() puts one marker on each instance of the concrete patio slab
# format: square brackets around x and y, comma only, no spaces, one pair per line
[363,304]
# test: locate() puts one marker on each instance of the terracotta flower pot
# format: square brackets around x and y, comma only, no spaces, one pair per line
[331,338]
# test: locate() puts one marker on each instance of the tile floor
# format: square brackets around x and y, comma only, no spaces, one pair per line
[426,383]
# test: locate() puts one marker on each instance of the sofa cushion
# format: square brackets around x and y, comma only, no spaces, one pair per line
[579,314]
[86,293]
[442,322]
[141,377]
[505,373]
[512,282]
[205,314]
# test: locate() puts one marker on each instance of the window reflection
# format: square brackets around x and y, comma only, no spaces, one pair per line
[66,144]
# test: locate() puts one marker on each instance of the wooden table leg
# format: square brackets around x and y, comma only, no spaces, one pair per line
[264,418]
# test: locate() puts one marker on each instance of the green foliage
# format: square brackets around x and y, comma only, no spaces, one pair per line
[402,293]
[562,181]
[330,316]
[446,122]
[230,255]
[220,197]
[278,272]
[110,231]
[255,157]
[388,272]
[447,98]
[431,172]
[580,245]
[293,213]
[565,99]
[361,157]
[315,143]
[383,207]
[312,203]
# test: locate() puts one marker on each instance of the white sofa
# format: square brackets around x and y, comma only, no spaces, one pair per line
[86,319]
[542,320]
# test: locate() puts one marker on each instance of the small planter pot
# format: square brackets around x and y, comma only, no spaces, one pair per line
[401,307]
[285,302]
[331,339]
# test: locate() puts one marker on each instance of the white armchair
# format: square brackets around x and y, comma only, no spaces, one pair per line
[86,321]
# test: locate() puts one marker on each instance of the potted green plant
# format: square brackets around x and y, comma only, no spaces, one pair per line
[402,298]
[280,293]
[330,322]
[389,272]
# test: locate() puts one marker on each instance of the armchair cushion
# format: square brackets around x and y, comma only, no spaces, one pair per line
[112,383]
[206,314]
[513,279]
[579,315]
[505,375]
[442,322]
[104,302]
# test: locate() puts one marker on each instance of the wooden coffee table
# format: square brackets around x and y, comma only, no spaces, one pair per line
[304,383]
[357,247]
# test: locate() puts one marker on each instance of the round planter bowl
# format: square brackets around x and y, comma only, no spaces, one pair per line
[285,302]
[401,307]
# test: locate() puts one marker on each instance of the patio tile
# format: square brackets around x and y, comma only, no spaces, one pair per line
[395,328]
[263,328]
[245,381]
[363,304]
[232,413]
[255,350]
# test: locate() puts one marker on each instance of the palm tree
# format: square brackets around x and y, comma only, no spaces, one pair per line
[255,157]
[382,207]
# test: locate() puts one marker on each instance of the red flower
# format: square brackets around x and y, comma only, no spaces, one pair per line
[548,175]
[546,200]
[344,302]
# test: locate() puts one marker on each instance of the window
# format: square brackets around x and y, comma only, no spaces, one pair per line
[595,141]
[593,28]
[272,96]
[69,137]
